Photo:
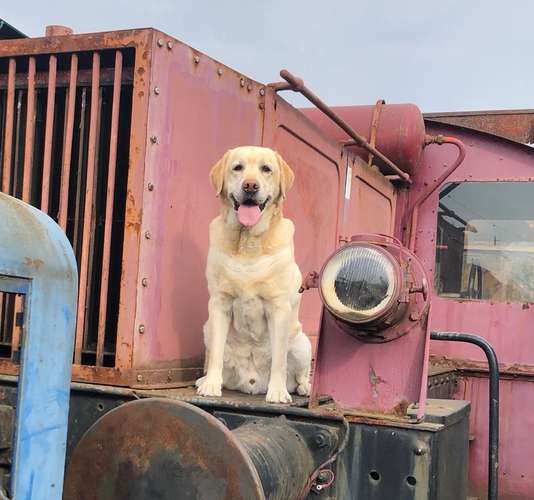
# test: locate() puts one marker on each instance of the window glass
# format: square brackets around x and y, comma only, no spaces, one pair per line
[485,241]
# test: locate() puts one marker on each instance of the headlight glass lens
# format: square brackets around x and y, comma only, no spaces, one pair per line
[358,283]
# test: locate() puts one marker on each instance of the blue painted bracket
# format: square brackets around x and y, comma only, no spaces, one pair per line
[37,261]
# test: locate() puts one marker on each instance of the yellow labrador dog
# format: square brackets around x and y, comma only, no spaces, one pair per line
[254,340]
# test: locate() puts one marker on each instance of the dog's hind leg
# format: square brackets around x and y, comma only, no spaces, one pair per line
[299,361]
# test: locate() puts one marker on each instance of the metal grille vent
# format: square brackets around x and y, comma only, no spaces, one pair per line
[64,141]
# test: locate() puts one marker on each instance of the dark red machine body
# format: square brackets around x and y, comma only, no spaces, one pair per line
[114,134]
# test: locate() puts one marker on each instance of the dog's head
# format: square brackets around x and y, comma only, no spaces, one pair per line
[250,179]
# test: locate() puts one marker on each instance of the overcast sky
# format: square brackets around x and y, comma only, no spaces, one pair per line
[442,56]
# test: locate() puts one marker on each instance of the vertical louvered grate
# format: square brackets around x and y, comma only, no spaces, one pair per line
[64,141]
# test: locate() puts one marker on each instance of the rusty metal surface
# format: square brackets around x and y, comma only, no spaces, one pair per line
[374,127]
[514,124]
[189,454]
[480,368]
[29,134]
[49,130]
[281,456]
[74,43]
[107,76]
[54,63]
[8,141]
[58,30]
[70,98]
[442,381]
[110,196]
[126,322]
[88,211]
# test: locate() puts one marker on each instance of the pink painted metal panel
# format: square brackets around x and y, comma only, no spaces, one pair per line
[507,326]
[366,377]
[314,201]
[378,385]
[499,322]
[516,480]
[372,202]
[399,130]
[198,109]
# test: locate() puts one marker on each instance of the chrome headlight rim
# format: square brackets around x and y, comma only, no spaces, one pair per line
[379,312]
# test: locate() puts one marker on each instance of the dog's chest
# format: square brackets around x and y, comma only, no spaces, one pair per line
[249,320]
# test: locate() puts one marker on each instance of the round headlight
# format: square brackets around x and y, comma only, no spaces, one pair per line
[360,283]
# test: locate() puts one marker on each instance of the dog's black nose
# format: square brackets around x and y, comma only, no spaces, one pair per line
[250,186]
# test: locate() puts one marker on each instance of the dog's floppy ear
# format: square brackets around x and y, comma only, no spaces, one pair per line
[217,174]
[286,176]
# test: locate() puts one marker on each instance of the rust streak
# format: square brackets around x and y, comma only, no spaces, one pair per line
[88,213]
[29,135]
[49,130]
[8,141]
[35,263]
[375,380]
[67,143]
[109,209]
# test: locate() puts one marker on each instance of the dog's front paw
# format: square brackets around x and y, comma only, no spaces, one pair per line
[208,386]
[278,394]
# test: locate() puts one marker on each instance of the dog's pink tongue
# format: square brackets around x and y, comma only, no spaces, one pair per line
[248,215]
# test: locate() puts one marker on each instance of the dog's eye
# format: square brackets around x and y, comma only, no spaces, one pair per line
[238,168]
[266,169]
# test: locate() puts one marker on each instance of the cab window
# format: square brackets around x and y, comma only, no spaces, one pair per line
[485,241]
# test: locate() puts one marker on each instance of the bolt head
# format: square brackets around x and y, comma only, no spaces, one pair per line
[141,328]
[170,45]
[242,82]
[262,91]
[139,378]
[144,282]
[156,90]
[148,235]
[160,42]
[320,439]
[419,451]
[249,87]
[219,71]
[196,59]
[150,186]
[154,138]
